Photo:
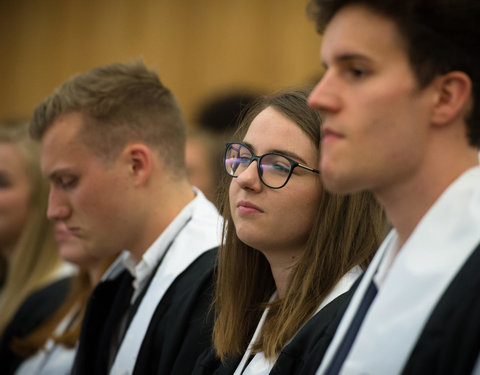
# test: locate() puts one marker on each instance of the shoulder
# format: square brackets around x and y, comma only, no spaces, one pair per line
[39,305]
[305,351]
[323,324]
[205,263]
[181,326]
[450,340]
[209,364]
[201,268]
[56,290]
[195,281]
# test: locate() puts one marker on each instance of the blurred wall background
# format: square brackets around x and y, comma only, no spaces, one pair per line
[199,47]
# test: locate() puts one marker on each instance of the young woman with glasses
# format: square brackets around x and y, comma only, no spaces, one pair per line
[290,248]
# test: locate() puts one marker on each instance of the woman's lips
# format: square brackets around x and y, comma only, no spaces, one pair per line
[248,208]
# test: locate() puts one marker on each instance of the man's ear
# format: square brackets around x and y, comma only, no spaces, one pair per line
[139,159]
[453,99]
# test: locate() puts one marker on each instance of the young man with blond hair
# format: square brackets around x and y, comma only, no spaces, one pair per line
[113,144]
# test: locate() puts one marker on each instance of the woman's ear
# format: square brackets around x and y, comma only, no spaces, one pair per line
[453,98]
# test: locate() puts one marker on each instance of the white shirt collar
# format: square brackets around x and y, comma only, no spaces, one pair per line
[387,260]
[143,269]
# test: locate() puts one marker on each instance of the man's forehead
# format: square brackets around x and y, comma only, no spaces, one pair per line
[54,163]
[61,146]
[64,129]
[357,30]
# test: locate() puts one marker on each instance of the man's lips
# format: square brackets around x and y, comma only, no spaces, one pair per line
[63,234]
[330,135]
[245,207]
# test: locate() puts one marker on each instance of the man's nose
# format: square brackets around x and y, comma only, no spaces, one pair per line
[324,97]
[58,207]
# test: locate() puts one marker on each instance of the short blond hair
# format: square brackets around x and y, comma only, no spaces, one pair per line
[120,103]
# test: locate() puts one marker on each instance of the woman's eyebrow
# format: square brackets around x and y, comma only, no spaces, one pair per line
[290,154]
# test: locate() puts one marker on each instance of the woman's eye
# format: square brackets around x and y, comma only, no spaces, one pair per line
[280,168]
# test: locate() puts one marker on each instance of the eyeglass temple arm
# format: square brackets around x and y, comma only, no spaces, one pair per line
[308,168]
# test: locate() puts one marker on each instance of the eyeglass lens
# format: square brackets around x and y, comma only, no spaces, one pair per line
[274,169]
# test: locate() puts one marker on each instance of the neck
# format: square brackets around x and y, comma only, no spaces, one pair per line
[164,205]
[96,269]
[407,202]
[281,265]
[95,274]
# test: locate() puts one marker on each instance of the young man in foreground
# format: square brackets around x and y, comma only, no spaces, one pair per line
[401,105]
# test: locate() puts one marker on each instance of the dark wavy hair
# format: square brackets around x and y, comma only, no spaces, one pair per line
[440,36]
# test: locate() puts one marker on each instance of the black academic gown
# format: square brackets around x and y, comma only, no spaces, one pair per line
[450,341]
[316,335]
[38,307]
[179,330]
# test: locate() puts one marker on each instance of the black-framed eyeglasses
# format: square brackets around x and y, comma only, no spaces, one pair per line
[274,169]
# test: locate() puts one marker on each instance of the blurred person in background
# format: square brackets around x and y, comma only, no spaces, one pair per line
[50,347]
[27,243]
[216,120]
[220,113]
[203,159]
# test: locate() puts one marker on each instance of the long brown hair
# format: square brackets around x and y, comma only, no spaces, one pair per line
[347,232]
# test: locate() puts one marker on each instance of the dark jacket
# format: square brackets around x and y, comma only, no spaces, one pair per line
[450,340]
[315,336]
[38,307]
[179,330]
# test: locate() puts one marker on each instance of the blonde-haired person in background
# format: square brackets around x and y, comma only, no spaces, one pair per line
[50,347]
[290,248]
[27,243]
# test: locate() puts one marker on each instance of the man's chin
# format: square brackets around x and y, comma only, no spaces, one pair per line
[340,184]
